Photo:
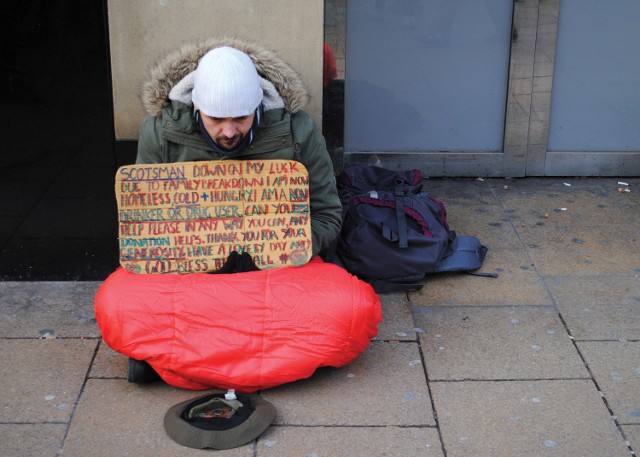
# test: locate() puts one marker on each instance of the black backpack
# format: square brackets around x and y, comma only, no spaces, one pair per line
[394,232]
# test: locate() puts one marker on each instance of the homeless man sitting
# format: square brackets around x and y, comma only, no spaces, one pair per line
[231,99]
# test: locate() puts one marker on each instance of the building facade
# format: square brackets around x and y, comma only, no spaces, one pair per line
[456,88]
[491,87]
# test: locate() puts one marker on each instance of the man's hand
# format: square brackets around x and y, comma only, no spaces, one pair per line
[237,263]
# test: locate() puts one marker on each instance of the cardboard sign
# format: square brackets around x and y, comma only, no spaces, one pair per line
[187,217]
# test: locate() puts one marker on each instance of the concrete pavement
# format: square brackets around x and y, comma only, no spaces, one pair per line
[542,361]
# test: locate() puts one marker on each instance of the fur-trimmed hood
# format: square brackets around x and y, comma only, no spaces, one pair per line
[176,66]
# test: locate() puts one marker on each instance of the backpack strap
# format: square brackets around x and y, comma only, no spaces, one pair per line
[402,221]
[385,287]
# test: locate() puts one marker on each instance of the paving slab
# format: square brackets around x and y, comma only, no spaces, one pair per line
[20,440]
[632,432]
[579,206]
[629,204]
[489,223]
[397,321]
[518,283]
[583,250]
[37,309]
[117,418]
[42,378]
[554,183]
[349,442]
[616,369]
[461,191]
[499,343]
[384,386]
[109,364]
[530,418]
[594,312]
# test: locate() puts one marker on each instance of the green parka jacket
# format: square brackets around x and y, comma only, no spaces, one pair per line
[170,134]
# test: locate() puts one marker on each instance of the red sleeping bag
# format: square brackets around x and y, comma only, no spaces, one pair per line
[244,331]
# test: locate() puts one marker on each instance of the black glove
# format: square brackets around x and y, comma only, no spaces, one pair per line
[237,263]
[246,263]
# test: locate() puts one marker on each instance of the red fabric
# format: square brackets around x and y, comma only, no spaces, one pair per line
[329,69]
[244,331]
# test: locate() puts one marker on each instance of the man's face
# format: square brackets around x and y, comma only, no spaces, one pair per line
[227,132]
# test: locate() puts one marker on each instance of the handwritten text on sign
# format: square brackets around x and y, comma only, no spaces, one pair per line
[189,216]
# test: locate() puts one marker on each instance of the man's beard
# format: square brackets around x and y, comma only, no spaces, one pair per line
[229,143]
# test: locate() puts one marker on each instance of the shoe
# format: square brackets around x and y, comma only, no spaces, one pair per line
[140,372]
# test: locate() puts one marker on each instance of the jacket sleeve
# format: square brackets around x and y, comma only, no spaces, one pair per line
[150,141]
[326,209]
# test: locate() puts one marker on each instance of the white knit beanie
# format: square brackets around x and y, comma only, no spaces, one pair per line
[226,84]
